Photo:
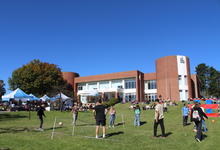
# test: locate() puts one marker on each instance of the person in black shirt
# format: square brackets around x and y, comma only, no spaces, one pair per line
[100,117]
[197,115]
[40,113]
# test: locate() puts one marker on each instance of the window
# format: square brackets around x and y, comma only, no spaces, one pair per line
[185,80]
[92,86]
[130,84]
[181,95]
[116,83]
[82,86]
[180,79]
[151,96]
[104,85]
[130,97]
[151,84]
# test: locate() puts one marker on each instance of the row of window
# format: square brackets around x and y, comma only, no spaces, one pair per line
[129,84]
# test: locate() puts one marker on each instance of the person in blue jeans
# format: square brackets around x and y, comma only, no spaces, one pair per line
[137,112]
[112,113]
[185,113]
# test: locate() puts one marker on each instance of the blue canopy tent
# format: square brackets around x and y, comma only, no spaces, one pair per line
[33,97]
[17,94]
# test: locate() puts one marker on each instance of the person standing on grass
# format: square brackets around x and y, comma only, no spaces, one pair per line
[100,117]
[40,113]
[112,113]
[197,115]
[137,112]
[185,113]
[75,111]
[159,118]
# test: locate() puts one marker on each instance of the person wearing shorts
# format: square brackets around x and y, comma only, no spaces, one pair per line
[100,117]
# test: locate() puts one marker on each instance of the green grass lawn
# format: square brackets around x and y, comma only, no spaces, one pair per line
[17,132]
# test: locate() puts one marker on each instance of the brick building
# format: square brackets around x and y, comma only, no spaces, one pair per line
[172,80]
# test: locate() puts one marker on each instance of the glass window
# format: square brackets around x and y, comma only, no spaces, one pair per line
[151,84]
[185,80]
[104,85]
[151,96]
[130,97]
[180,79]
[92,86]
[130,84]
[116,84]
[82,86]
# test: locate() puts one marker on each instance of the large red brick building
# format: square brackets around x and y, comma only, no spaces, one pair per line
[172,80]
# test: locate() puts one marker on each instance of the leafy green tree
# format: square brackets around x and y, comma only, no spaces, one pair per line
[38,78]
[214,78]
[202,71]
[210,80]
[2,89]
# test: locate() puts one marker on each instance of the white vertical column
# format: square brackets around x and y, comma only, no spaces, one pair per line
[97,85]
[110,84]
[123,83]
[87,86]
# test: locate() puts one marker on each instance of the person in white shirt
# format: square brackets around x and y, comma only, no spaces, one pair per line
[158,119]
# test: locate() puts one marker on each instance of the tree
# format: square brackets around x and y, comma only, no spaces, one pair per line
[2,89]
[210,80]
[202,71]
[214,78]
[38,78]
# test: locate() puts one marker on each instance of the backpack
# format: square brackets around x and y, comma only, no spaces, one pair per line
[195,116]
[137,111]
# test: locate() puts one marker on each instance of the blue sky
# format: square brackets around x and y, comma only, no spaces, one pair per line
[103,36]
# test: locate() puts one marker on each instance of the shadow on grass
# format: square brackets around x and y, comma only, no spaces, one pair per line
[91,124]
[119,124]
[23,129]
[142,123]
[14,130]
[166,134]
[114,133]
[6,116]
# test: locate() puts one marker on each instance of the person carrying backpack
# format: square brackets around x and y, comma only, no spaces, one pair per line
[197,115]
[137,112]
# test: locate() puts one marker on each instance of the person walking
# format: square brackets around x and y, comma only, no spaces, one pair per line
[75,111]
[112,113]
[197,115]
[137,112]
[185,113]
[159,118]
[40,113]
[100,117]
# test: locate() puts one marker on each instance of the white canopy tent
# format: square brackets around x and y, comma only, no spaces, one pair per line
[45,97]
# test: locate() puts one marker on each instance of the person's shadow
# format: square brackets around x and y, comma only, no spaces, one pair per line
[142,123]
[114,133]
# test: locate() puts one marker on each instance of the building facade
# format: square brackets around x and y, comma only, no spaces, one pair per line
[172,80]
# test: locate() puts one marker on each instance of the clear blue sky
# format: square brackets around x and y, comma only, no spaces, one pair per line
[104,36]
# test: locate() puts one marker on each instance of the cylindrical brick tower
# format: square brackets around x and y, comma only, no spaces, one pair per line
[173,78]
[70,78]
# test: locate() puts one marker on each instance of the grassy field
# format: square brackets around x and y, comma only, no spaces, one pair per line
[17,132]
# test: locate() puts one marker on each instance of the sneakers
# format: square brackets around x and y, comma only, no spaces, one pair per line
[198,140]
[97,137]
